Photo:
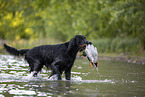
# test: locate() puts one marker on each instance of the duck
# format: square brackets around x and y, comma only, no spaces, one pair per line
[92,55]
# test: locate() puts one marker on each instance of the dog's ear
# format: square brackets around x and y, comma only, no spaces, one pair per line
[72,44]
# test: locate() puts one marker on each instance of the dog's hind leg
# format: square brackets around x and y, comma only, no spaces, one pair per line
[37,68]
[34,66]
[29,69]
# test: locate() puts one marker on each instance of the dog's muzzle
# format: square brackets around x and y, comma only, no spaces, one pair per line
[82,46]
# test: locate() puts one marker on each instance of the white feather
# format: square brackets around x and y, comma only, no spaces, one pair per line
[92,53]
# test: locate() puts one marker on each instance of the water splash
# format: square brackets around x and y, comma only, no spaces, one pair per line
[22,92]
[78,80]
[54,77]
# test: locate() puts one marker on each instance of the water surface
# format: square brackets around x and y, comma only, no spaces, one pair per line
[114,79]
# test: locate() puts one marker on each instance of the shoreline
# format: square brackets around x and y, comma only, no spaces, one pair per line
[126,59]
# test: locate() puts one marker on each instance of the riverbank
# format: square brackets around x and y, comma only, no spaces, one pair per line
[124,58]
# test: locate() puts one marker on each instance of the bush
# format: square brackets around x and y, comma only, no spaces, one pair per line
[117,45]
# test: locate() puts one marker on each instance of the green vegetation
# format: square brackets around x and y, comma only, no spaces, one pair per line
[112,25]
[118,45]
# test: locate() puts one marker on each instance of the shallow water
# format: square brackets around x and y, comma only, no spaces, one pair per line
[114,79]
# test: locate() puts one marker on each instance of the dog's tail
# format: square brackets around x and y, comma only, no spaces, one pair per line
[14,51]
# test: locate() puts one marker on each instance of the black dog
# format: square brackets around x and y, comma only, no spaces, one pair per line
[59,58]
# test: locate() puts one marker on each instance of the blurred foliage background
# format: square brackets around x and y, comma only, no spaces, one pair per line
[112,25]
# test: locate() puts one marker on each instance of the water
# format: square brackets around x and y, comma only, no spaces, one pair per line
[114,79]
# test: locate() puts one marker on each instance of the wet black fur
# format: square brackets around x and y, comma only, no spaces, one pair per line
[59,58]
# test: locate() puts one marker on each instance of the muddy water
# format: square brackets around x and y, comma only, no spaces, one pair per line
[114,79]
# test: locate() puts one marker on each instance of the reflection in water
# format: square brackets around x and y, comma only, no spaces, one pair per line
[50,87]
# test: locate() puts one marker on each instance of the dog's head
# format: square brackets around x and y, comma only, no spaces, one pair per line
[79,41]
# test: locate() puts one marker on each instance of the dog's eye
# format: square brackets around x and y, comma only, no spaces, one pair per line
[82,37]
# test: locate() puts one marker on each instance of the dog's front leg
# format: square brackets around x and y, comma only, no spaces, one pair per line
[58,72]
[68,74]
[52,73]
[55,66]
